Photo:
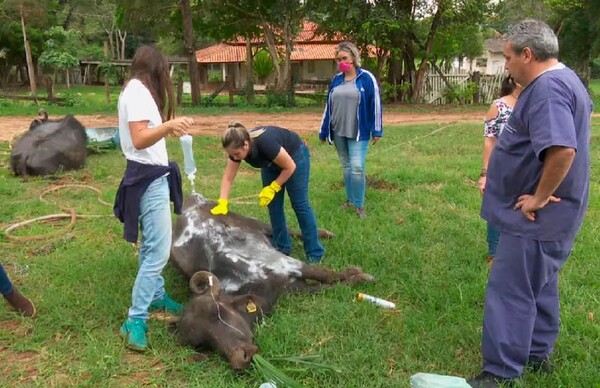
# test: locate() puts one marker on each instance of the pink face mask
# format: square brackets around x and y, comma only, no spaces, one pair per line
[344,66]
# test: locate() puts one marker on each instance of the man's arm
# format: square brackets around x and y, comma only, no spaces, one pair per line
[557,163]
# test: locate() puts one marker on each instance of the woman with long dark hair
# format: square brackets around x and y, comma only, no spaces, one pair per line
[150,182]
[493,124]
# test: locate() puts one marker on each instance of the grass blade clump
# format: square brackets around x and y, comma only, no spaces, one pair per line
[276,375]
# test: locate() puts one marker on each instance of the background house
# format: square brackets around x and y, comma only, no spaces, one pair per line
[490,62]
[313,59]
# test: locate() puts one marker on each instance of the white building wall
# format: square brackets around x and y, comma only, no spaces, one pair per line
[490,64]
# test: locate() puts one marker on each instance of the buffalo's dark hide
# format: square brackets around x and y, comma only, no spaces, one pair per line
[49,146]
[247,274]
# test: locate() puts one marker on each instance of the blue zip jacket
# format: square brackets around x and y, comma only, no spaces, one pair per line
[369,114]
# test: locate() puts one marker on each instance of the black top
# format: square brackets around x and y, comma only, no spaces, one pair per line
[266,144]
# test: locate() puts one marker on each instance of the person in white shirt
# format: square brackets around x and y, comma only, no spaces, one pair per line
[146,117]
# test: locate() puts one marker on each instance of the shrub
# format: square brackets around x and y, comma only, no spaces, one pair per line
[263,65]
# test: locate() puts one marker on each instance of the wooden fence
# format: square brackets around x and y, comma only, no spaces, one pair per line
[436,91]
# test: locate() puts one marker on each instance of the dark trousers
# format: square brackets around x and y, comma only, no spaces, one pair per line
[5,284]
[521,316]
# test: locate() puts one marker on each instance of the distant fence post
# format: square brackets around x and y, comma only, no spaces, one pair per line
[106,85]
[476,78]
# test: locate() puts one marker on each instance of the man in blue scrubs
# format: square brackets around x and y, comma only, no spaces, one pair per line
[537,194]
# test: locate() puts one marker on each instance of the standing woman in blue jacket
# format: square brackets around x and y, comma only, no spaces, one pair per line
[351,119]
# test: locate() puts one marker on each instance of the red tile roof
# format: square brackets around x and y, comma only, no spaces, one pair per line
[227,53]
[307,47]
[221,53]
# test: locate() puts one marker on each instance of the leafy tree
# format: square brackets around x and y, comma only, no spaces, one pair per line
[59,55]
[409,34]
[276,22]
[166,18]
[576,23]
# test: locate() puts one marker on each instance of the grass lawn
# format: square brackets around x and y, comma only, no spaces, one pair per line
[423,241]
[84,99]
[595,89]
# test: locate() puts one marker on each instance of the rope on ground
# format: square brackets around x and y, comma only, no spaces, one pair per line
[453,123]
[68,213]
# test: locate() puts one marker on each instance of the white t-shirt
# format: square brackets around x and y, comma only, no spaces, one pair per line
[136,104]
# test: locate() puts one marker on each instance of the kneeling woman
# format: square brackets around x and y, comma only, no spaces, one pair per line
[284,161]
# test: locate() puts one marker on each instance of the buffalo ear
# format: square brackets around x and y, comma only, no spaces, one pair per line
[204,281]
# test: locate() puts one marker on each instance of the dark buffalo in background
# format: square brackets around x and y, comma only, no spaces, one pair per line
[236,277]
[49,146]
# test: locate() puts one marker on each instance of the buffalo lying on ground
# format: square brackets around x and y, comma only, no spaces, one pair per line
[49,146]
[236,277]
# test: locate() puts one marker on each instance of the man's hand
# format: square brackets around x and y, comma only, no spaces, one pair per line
[375,139]
[529,204]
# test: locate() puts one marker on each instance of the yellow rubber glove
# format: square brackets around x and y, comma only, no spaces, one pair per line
[268,193]
[221,208]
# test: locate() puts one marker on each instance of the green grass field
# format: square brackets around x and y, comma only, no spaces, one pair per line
[595,91]
[423,240]
[84,99]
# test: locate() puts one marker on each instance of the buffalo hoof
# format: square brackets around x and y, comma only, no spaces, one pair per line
[355,275]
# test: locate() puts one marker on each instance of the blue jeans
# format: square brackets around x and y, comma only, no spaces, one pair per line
[493,234]
[6,285]
[353,154]
[155,226]
[297,189]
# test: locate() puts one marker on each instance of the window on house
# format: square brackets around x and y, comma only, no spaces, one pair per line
[481,62]
[215,73]
[311,67]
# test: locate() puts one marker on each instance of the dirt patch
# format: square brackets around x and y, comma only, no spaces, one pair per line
[302,123]
[14,363]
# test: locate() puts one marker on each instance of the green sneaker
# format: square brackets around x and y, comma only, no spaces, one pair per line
[167,304]
[134,331]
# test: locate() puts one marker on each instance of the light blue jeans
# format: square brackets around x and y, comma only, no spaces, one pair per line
[353,154]
[155,227]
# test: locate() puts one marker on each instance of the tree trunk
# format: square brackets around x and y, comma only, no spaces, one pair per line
[110,34]
[188,38]
[30,68]
[288,81]
[409,60]
[272,49]
[122,37]
[249,71]
[179,90]
[68,83]
[106,85]
[421,72]
[49,86]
